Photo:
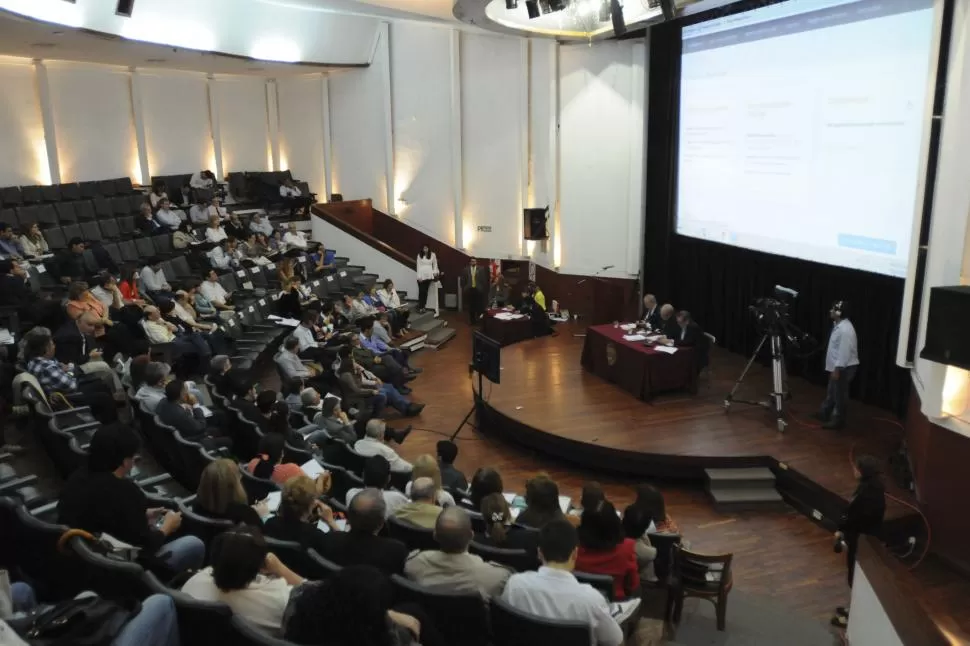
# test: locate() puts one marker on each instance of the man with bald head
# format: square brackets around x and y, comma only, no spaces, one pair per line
[452,568]
[75,344]
[667,325]
[422,511]
[651,311]
[361,545]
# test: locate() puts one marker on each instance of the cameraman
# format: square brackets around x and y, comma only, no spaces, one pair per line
[863,516]
[841,362]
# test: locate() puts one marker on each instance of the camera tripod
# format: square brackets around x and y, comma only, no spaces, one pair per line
[778,395]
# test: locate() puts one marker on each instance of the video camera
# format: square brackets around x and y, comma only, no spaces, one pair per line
[772,313]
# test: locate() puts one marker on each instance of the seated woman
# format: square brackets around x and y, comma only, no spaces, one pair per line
[268,463]
[352,608]
[651,501]
[299,515]
[214,233]
[34,243]
[499,530]
[185,236]
[603,549]
[129,286]
[158,193]
[221,495]
[485,481]
[542,502]
[636,524]
[363,389]
[426,466]
[245,576]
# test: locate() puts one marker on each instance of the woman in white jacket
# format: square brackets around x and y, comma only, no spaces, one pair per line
[427,270]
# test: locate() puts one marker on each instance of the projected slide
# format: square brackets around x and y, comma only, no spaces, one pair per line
[801,126]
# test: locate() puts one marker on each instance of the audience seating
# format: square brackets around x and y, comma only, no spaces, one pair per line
[461,618]
[246,634]
[689,579]
[416,538]
[512,627]
[257,488]
[602,582]
[298,559]
[518,560]
[664,543]
[325,567]
[204,527]
[201,623]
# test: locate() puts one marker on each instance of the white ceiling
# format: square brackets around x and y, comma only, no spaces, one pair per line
[436,9]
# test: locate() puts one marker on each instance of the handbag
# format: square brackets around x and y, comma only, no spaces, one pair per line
[85,621]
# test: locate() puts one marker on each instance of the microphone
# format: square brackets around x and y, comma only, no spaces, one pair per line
[607,267]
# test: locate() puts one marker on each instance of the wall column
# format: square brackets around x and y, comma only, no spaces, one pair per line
[138,118]
[457,176]
[273,119]
[212,92]
[327,150]
[47,116]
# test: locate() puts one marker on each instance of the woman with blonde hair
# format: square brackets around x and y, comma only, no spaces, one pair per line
[221,495]
[426,466]
[301,514]
[214,232]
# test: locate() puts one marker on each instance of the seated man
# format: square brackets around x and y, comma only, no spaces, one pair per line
[450,476]
[153,281]
[168,217]
[667,325]
[311,344]
[554,593]
[260,224]
[384,366]
[377,475]
[290,364]
[690,334]
[328,416]
[76,345]
[66,379]
[152,390]
[422,510]
[294,198]
[181,410]
[375,442]
[382,349]
[158,330]
[224,377]
[651,312]
[99,498]
[361,545]
[69,264]
[214,294]
[225,255]
[451,568]
[199,213]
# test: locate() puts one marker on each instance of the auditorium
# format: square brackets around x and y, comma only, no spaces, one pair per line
[484,322]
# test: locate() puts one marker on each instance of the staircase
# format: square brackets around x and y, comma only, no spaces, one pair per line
[436,332]
[750,489]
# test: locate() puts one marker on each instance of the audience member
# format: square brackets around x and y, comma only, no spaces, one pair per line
[377,475]
[260,224]
[330,416]
[145,221]
[244,575]
[361,545]
[213,295]
[425,466]
[294,198]
[166,216]
[55,377]
[199,213]
[14,291]
[234,227]
[152,390]
[636,525]
[451,568]
[100,498]
[128,285]
[225,255]
[352,608]
[214,233]
[75,345]
[603,549]
[651,501]
[69,264]
[33,242]
[485,481]
[153,281]
[221,495]
[289,362]
[397,312]
[554,593]
[268,463]
[422,510]
[181,410]
[216,208]
[158,193]
[375,442]
[499,531]
[359,385]
[203,179]
[542,502]
[301,514]
[451,478]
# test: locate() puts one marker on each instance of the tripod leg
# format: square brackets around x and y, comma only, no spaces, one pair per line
[744,373]
[778,381]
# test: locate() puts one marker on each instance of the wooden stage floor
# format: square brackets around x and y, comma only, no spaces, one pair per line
[545,387]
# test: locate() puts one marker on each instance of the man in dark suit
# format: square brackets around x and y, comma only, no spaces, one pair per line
[651,311]
[13,284]
[180,410]
[474,280]
[75,342]
[70,263]
[361,545]
[691,335]
[667,324]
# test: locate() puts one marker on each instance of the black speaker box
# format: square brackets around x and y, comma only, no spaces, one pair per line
[947,322]
[535,223]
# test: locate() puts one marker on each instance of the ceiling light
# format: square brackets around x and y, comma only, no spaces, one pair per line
[616,10]
[276,49]
[532,6]
[511,4]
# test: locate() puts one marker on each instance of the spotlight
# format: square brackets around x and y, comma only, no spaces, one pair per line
[604,10]
[511,4]
[557,5]
[532,6]
[616,11]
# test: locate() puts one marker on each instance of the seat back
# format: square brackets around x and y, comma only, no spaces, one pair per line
[513,627]
[55,238]
[111,578]
[416,538]
[120,206]
[128,250]
[194,460]
[32,194]
[89,190]
[53,574]
[461,618]
[70,191]
[102,207]
[201,623]
[126,225]
[342,481]
[202,526]
[27,215]
[123,185]
[245,435]
[295,556]
[350,459]
[66,213]
[135,201]
[162,243]
[90,262]
[113,251]
[256,488]
[518,560]
[145,247]
[327,568]
[701,574]
[110,230]
[106,187]
[71,231]
[84,210]
[243,633]
[47,216]
[664,543]
[602,582]
[90,231]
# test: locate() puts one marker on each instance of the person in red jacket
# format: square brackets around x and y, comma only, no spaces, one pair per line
[603,549]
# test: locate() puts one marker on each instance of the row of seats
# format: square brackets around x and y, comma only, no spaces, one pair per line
[11,196]
[67,213]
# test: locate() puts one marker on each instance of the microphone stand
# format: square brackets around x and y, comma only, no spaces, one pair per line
[583,280]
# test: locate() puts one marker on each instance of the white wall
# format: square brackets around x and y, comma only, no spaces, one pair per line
[243,127]
[358,125]
[93,121]
[868,624]
[177,129]
[300,100]
[420,58]
[24,157]
[377,263]
[492,131]
[601,126]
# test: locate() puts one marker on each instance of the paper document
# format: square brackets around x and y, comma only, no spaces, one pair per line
[508,316]
[283,321]
[623,610]
[273,501]
[205,411]
[509,497]
[628,326]
[514,512]
[564,503]
[312,468]
[325,528]
[634,337]
[666,349]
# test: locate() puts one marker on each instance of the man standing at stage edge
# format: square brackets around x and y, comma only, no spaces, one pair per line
[475,282]
[841,362]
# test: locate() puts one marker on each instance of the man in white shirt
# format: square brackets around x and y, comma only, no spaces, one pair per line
[202,179]
[199,213]
[106,290]
[293,197]
[259,224]
[152,391]
[841,362]
[213,290]
[374,443]
[153,281]
[554,593]
[166,216]
[377,474]
[216,209]
[293,238]
[224,256]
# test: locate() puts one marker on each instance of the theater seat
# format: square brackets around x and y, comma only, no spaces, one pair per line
[201,623]
[462,619]
[513,627]
[244,633]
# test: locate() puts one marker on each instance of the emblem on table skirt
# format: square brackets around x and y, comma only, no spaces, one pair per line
[610,354]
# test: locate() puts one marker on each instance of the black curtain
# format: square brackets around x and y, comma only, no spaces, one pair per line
[718,282]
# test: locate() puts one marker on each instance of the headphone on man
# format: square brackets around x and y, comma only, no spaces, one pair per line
[840,307]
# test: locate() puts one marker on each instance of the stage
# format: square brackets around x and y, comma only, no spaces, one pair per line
[547,402]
